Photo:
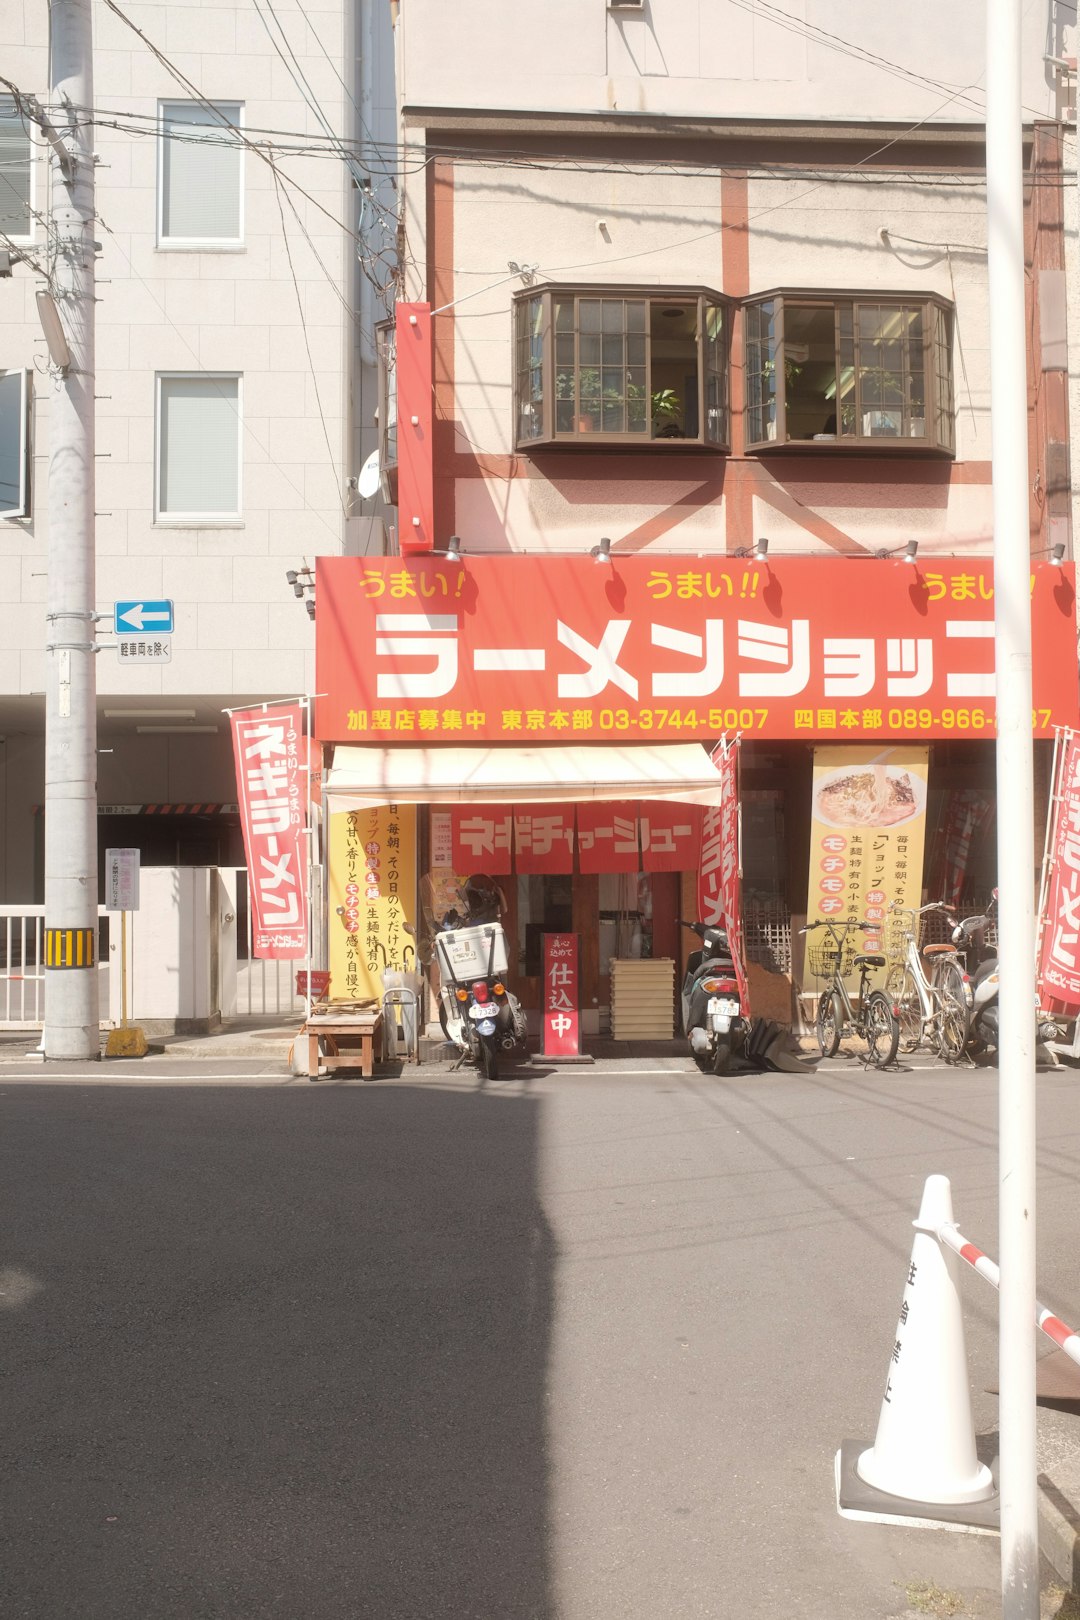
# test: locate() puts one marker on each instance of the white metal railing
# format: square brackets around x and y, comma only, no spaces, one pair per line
[263,989]
[22,968]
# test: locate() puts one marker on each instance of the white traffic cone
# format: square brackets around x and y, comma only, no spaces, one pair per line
[924,1450]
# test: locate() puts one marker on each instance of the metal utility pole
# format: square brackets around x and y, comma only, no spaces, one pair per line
[71,975]
[1015,806]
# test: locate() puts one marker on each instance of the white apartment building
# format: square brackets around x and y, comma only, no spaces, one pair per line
[239,274]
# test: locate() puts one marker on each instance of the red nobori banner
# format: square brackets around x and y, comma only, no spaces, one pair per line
[719,878]
[1059,966]
[558,649]
[271,780]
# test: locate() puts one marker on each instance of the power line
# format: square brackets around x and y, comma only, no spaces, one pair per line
[307,340]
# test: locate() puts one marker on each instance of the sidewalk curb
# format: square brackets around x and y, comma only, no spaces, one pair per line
[1059,1533]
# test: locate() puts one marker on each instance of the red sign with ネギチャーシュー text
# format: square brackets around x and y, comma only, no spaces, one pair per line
[562,1018]
[524,649]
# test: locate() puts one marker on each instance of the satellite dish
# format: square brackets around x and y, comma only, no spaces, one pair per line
[368,482]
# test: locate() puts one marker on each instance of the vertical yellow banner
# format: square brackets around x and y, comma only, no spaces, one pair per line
[867,830]
[372,894]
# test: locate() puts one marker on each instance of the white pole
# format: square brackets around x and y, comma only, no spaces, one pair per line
[1015,806]
[71,992]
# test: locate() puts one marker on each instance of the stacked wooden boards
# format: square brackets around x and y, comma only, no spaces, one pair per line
[642,998]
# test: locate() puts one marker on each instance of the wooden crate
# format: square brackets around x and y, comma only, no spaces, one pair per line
[643,999]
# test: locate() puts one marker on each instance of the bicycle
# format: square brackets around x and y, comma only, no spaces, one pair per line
[870,1015]
[935,1006]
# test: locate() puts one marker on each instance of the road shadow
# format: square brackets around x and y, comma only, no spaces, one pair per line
[275,1352]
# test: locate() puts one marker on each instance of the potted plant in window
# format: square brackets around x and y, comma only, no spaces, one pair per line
[666,408]
[588,418]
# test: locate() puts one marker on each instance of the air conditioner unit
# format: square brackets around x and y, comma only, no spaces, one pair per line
[626,5]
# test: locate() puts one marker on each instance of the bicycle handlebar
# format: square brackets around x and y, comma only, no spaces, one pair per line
[829,922]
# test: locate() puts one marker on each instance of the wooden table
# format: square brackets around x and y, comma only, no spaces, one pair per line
[344,1029]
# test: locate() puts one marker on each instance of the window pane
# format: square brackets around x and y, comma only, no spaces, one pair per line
[716,403]
[15,218]
[673,350]
[200,173]
[761,352]
[891,371]
[13,401]
[810,371]
[529,316]
[199,446]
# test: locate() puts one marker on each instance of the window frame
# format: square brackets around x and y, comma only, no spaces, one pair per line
[552,439]
[199,244]
[197,520]
[31,235]
[25,459]
[932,443]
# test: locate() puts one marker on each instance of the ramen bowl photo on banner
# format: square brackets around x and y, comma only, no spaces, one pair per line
[867,831]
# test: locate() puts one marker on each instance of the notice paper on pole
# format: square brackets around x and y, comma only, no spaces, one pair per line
[121,880]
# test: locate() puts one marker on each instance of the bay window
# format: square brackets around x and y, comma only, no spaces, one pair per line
[600,366]
[850,369]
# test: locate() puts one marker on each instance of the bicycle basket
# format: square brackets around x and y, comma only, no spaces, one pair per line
[825,959]
[899,929]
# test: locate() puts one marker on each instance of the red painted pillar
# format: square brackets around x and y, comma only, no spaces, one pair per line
[416,412]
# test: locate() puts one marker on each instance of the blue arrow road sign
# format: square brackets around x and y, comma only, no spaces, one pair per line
[136,618]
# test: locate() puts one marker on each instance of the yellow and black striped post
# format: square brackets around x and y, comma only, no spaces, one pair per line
[69,947]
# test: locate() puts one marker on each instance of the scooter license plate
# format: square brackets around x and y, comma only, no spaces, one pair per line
[723,1008]
[479,1011]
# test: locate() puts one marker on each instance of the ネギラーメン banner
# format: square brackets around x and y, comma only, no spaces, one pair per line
[559,649]
[270,750]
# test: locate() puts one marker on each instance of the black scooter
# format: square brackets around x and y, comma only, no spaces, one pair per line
[712,1013]
[984,1028]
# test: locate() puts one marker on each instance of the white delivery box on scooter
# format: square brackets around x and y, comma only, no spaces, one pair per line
[471,953]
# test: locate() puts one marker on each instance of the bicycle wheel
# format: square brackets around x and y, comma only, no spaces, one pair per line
[902,991]
[949,979]
[830,1023]
[881,1029]
[952,1024]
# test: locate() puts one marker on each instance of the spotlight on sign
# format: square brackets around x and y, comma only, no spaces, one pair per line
[602,552]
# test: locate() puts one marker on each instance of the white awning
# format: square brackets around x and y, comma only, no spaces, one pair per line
[361,777]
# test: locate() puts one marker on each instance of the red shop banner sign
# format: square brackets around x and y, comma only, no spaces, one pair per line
[652,836]
[271,779]
[557,649]
[1059,961]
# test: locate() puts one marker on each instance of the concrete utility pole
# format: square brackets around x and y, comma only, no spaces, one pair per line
[71,975]
[1015,806]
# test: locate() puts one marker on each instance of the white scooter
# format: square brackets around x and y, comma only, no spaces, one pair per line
[477,1012]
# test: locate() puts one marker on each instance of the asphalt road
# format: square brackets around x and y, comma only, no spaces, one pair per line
[574,1346]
